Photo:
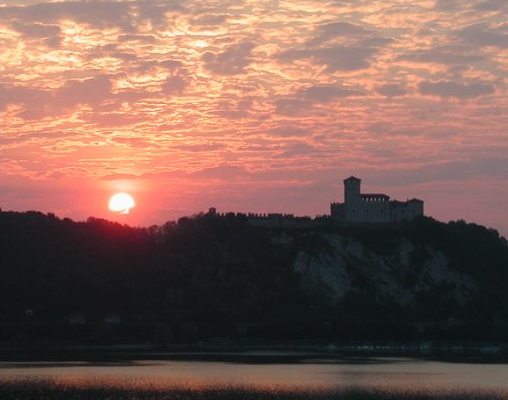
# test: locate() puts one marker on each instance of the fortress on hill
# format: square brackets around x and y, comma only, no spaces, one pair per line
[357,208]
[372,207]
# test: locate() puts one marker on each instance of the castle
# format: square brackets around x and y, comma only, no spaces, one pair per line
[372,207]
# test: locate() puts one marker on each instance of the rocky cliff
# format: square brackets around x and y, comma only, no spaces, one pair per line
[341,264]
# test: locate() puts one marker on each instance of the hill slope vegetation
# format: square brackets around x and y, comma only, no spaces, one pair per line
[207,276]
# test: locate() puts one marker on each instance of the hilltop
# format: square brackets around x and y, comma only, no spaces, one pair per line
[219,276]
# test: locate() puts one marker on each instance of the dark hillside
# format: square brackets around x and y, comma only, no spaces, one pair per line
[210,276]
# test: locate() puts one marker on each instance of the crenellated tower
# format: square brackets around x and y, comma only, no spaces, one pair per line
[352,200]
[352,191]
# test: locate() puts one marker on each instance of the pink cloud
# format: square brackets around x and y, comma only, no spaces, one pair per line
[253,107]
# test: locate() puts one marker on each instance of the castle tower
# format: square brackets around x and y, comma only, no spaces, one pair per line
[352,202]
[352,191]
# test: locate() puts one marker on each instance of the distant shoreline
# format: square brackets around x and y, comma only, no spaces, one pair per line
[260,352]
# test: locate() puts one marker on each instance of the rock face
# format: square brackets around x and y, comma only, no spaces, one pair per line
[340,265]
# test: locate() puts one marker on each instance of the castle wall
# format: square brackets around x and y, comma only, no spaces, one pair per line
[337,211]
[372,208]
[406,211]
[375,211]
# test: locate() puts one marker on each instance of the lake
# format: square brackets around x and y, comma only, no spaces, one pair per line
[265,375]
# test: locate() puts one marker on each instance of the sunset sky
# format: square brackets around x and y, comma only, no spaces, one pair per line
[254,106]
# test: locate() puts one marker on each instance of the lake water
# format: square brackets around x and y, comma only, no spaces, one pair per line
[390,375]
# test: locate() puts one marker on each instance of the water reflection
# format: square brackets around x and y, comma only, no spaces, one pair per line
[387,375]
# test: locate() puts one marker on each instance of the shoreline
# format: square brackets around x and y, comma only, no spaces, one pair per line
[258,352]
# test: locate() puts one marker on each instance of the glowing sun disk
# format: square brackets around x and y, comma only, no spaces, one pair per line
[121,203]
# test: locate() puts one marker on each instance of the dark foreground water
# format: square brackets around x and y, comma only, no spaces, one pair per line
[365,378]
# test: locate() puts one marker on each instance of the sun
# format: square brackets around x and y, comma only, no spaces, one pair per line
[121,203]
